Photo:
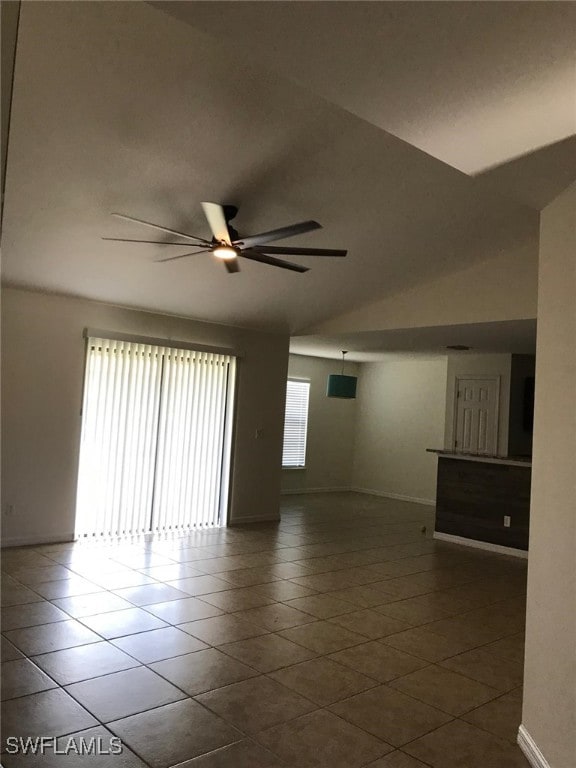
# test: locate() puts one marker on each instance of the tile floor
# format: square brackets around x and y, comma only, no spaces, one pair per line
[342,637]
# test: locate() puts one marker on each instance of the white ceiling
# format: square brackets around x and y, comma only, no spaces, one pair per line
[517,336]
[122,107]
[474,84]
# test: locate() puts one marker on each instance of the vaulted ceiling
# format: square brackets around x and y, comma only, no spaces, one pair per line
[379,120]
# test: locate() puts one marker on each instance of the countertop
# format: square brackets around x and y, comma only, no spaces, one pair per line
[515,461]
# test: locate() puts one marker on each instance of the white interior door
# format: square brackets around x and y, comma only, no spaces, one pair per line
[476,423]
[155,445]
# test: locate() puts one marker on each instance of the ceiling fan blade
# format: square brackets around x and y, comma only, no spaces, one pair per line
[279,234]
[183,256]
[231,265]
[299,251]
[264,259]
[217,221]
[154,242]
[162,229]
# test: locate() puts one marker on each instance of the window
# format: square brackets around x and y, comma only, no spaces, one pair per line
[296,423]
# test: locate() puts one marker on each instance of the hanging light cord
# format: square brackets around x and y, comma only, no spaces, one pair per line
[343,358]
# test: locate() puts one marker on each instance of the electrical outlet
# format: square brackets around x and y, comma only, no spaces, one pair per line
[507,521]
[8,510]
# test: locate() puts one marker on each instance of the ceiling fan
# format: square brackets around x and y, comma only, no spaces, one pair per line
[227,245]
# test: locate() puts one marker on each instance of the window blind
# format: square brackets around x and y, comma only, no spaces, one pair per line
[155,445]
[295,423]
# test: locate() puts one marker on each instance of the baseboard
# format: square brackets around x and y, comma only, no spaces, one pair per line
[299,491]
[255,519]
[399,496]
[480,544]
[34,541]
[530,749]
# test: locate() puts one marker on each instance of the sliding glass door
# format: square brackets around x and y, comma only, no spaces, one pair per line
[156,438]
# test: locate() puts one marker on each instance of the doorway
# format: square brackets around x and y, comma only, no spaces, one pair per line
[476,414]
[156,439]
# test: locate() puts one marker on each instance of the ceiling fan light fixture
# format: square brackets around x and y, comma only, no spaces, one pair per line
[225,252]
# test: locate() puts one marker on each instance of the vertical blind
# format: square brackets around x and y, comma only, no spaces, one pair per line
[295,423]
[155,446]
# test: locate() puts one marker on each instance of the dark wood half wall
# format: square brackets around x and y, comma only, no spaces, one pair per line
[473,497]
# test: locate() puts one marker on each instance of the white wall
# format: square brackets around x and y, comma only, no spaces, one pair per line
[42,369]
[331,425]
[401,412]
[549,712]
[496,365]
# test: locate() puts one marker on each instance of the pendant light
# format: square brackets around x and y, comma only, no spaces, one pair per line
[340,385]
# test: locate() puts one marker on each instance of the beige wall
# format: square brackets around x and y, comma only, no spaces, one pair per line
[549,713]
[401,412]
[494,365]
[480,293]
[331,424]
[42,368]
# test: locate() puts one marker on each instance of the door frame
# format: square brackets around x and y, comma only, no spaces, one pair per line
[475,376]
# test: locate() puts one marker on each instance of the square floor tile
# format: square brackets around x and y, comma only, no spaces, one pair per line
[267,652]
[362,597]
[180,611]
[52,713]
[203,671]
[73,744]
[502,716]
[34,575]
[21,677]
[323,681]
[123,580]
[427,645]
[9,651]
[150,593]
[242,754]
[16,594]
[284,590]
[378,661]
[125,693]
[256,704]
[460,744]
[219,630]
[171,572]
[370,624]
[445,690]
[79,606]
[323,637]
[200,585]
[276,616]
[159,644]
[321,739]
[248,577]
[66,588]
[397,759]
[390,715]
[232,600]
[321,606]
[503,674]
[120,623]
[174,733]
[72,665]
[30,615]
[511,647]
[51,637]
